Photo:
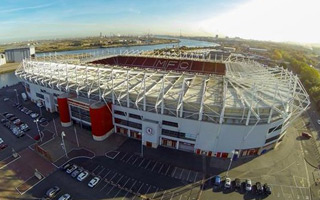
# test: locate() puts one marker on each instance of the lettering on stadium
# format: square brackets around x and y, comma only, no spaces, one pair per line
[172,64]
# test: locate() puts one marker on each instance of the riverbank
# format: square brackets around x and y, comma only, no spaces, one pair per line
[9,67]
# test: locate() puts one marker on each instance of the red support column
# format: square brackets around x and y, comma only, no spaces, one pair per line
[101,120]
[64,110]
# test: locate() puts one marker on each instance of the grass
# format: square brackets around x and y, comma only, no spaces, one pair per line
[9,67]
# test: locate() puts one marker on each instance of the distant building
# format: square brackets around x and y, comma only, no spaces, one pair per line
[18,54]
[2,59]
[229,49]
[257,50]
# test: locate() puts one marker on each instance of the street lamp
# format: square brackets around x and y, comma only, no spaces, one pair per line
[63,145]
[55,127]
[231,159]
[17,95]
[142,144]
[36,121]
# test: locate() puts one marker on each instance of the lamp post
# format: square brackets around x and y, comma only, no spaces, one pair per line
[75,132]
[36,121]
[63,145]
[142,144]
[55,127]
[17,95]
[231,159]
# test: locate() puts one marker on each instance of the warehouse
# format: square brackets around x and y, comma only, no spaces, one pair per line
[18,54]
[177,101]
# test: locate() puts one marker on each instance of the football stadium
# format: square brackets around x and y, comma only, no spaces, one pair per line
[187,101]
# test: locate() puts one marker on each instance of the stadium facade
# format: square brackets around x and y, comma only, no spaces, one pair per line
[187,101]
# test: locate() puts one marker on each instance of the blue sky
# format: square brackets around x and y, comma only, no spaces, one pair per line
[39,19]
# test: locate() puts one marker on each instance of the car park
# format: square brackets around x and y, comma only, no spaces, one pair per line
[227,183]
[75,173]
[266,189]
[259,188]
[65,197]
[248,185]
[94,181]
[71,169]
[52,192]
[82,176]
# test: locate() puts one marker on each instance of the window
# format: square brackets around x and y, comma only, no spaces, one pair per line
[135,116]
[40,95]
[275,128]
[174,124]
[128,123]
[44,91]
[178,135]
[119,113]
[272,139]
[80,113]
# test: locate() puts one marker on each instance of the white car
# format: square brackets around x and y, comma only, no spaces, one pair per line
[318,121]
[82,175]
[71,169]
[65,197]
[227,183]
[94,182]
[248,185]
[34,115]
[1,140]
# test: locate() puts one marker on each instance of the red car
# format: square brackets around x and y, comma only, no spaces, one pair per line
[306,135]
[3,146]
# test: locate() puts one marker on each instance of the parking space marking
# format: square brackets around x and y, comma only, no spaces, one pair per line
[135,160]
[160,168]
[188,175]
[141,162]
[110,190]
[155,193]
[104,186]
[148,164]
[101,171]
[167,170]
[128,159]
[163,194]
[154,166]
[123,156]
[174,171]
[95,169]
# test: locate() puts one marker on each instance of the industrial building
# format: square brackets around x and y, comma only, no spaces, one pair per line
[2,59]
[18,54]
[180,101]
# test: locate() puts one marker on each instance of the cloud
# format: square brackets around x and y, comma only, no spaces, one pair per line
[25,8]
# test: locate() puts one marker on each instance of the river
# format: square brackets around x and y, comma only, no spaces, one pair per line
[11,79]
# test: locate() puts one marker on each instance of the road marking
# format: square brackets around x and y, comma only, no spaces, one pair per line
[189,175]
[140,188]
[167,170]
[141,162]
[95,169]
[174,171]
[110,190]
[181,174]
[101,171]
[195,177]
[135,160]
[129,159]
[155,193]
[160,168]
[103,186]
[154,166]
[163,194]
[123,156]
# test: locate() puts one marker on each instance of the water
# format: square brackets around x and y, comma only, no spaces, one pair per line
[183,42]
[8,79]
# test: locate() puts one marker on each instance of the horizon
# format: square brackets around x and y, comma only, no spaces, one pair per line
[277,21]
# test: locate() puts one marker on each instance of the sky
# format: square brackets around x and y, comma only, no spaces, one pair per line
[275,20]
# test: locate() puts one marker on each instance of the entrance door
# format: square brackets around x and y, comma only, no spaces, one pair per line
[186,146]
[149,144]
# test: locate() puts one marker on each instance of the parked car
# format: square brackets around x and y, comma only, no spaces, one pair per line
[34,115]
[9,115]
[12,118]
[1,141]
[266,189]
[66,166]
[237,183]
[83,175]
[217,181]
[65,197]
[3,146]
[4,121]
[93,182]
[42,120]
[52,192]
[227,184]
[28,112]
[248,185]
[17,122]
[75,173]
[71,169]
[259,188]
[24,127]
[306,135]
[318,121]
[6,99]
[4,113]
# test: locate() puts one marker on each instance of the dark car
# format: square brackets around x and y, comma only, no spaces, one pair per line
[52,192]
[237,183]
[8,115]
[306,135]
[12,118]
[3,146]
[266,189]
[42,120]
[216,181]
[259,188]
[4,121]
